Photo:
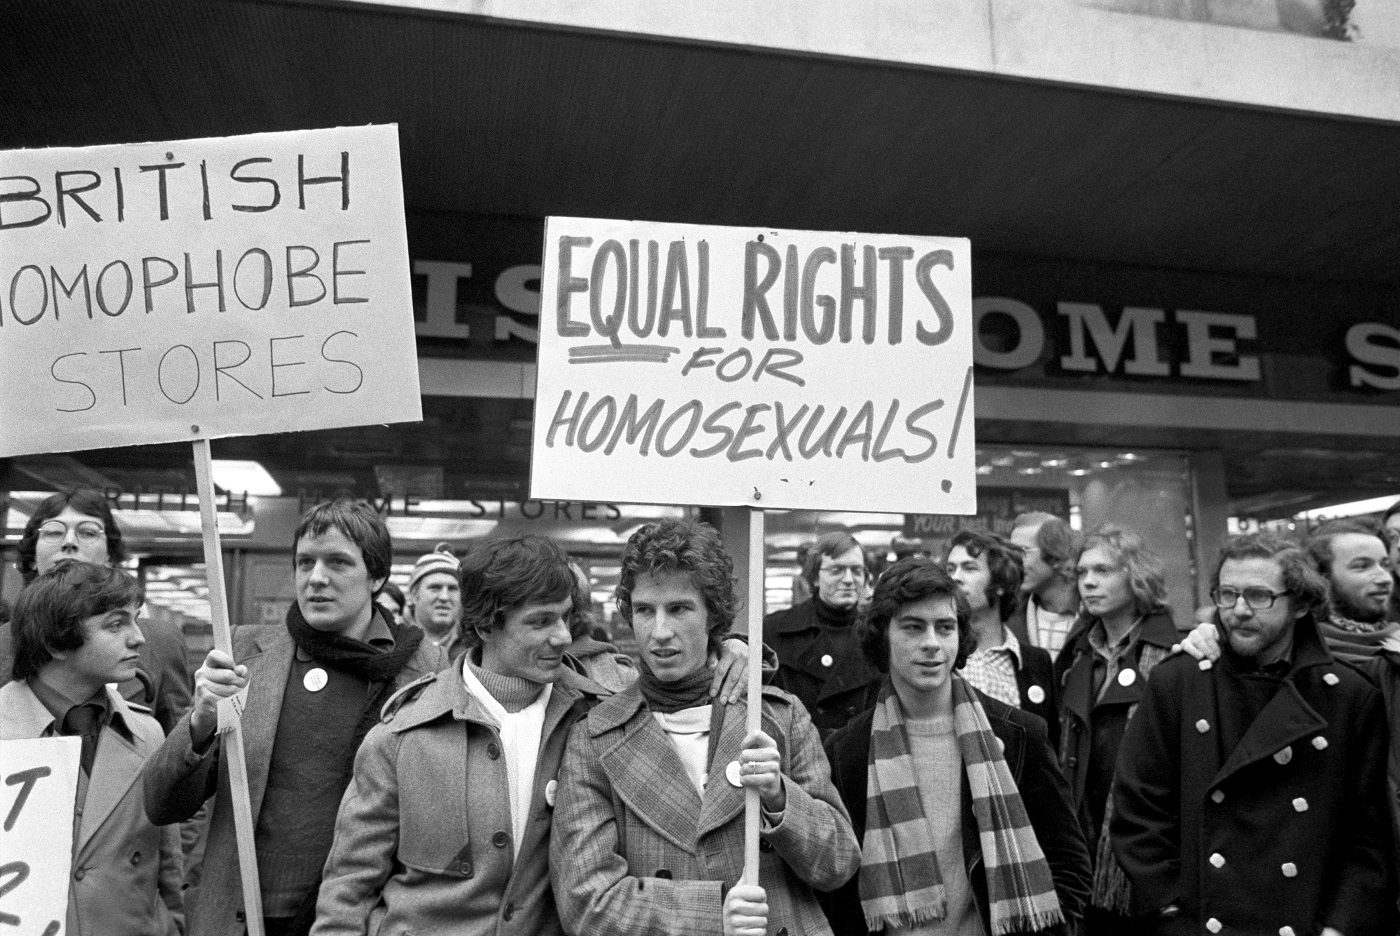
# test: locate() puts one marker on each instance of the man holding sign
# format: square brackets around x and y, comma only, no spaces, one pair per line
[649,823]
[75,631]
[315,688]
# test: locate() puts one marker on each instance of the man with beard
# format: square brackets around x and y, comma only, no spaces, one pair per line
[315,688]
[1250,795]
[1354,560]
[819,659]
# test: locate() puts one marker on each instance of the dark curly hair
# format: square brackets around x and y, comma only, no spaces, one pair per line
[690,547]
[84,501]
[1319,542]
[1004,562]
[910,580]
[1303,582]
[50,611]
[498,576]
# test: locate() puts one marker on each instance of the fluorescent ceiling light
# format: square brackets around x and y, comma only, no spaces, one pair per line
[245,477]
[1353,509]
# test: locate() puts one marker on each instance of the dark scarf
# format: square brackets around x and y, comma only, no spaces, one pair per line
[356,658]
[666,697]
[827,616]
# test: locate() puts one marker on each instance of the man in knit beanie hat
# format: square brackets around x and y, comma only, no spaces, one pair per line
[435,599]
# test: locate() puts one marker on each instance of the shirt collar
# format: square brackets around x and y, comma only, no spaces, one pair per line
[1009,645]
[1098,639]
[59,705]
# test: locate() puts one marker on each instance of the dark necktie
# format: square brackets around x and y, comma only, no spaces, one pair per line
[85,721]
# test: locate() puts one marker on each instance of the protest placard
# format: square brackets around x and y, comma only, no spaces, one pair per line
[36,837]
[738,366]
[159,292]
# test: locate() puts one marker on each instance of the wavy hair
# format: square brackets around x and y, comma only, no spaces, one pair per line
[498,576]
[50,611]
[689,547]
[360,523]
[1319,542]
[1004,562]
[1145,577]
[912,579]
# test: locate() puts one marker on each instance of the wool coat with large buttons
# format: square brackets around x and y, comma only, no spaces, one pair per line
[423,839]
[833,686]
[638,852]
[1285,832]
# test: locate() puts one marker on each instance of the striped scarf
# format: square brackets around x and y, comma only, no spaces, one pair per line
[900,883]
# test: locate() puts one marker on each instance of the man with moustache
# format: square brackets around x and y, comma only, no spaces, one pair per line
[988,570]
[649,829]
[1250,795]
[1049,595]
[315,688]
[1125,630]
[819,660]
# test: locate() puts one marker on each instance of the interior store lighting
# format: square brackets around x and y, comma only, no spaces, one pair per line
[245,477]
[1353,509]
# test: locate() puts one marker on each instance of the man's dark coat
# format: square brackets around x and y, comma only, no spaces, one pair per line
[832,694]
[1288,831]
[1043,791]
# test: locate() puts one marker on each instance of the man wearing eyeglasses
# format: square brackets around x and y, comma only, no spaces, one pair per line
[819,658]
[1250,794]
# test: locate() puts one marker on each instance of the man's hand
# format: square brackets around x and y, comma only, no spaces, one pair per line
[746,911]
[217,679]
[1203,643]
[731,672]
[761,768]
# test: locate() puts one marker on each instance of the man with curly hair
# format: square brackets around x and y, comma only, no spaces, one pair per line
[649,827]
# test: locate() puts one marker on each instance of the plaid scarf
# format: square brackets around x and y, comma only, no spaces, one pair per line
[900,883]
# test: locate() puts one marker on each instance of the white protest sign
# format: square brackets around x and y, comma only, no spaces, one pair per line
[160,292]
[740,366]
[36,845]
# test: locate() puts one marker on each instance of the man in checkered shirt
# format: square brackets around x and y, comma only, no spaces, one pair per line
[988,570]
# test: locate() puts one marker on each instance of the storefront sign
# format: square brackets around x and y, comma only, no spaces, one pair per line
[774,369]
[169,291]
[997,510]
[36,837]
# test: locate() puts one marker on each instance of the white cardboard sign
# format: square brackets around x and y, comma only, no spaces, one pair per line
[36,842]
[161,292]
[738,366]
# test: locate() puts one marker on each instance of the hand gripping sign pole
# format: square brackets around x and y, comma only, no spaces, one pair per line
[230,710]
[755,713]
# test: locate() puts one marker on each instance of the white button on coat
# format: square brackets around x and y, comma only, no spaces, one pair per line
[1217,860]
[1284,756]
[1203,726]
[551,792]
[1218,796]
[1289,869]
[827,660]
[1330,678]
[1300,804]
[1286,931]
[1320,743]
[1127,677]
[731,773]
[1214,925]
[1036,695]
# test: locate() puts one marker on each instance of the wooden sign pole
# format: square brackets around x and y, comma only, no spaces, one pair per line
[230,710]
[755,698]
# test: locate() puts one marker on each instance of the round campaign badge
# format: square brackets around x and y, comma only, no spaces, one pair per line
[1127,677]
[315,679]
[827,660]
[1036,695]
[731,773]
[551,790]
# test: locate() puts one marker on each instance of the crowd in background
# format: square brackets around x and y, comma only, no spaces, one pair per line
[1013,736]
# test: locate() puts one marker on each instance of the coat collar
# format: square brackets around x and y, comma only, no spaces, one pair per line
[1155,630]
[445,693]
[269,662]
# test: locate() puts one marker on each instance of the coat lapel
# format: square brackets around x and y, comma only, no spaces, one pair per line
[645,771]
[1286,719]
[116,767]
[269,664]
[723,801]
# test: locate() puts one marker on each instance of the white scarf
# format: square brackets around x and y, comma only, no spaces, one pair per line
[520,743]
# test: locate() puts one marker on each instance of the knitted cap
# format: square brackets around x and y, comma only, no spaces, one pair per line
[432,562]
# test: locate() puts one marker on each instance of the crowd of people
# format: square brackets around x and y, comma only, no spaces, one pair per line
[1014,737]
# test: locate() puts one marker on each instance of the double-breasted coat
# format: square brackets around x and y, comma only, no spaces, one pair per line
[1044,793]
[832,686]
[127,873]
[423,839]
[1285,831]
[636,850]
[179,780]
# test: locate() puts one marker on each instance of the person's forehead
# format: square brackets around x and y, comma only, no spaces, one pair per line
[129,612]
[850,557]
[1348,546]
[940,608]
[70,515]
[1024,536]
[1252,570]
[1099,554]
[959,554]
[437,579]
[542,608]
[331,540]
[668,586]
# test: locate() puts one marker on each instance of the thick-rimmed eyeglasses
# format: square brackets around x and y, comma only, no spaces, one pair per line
[1257,598]
[86,531]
